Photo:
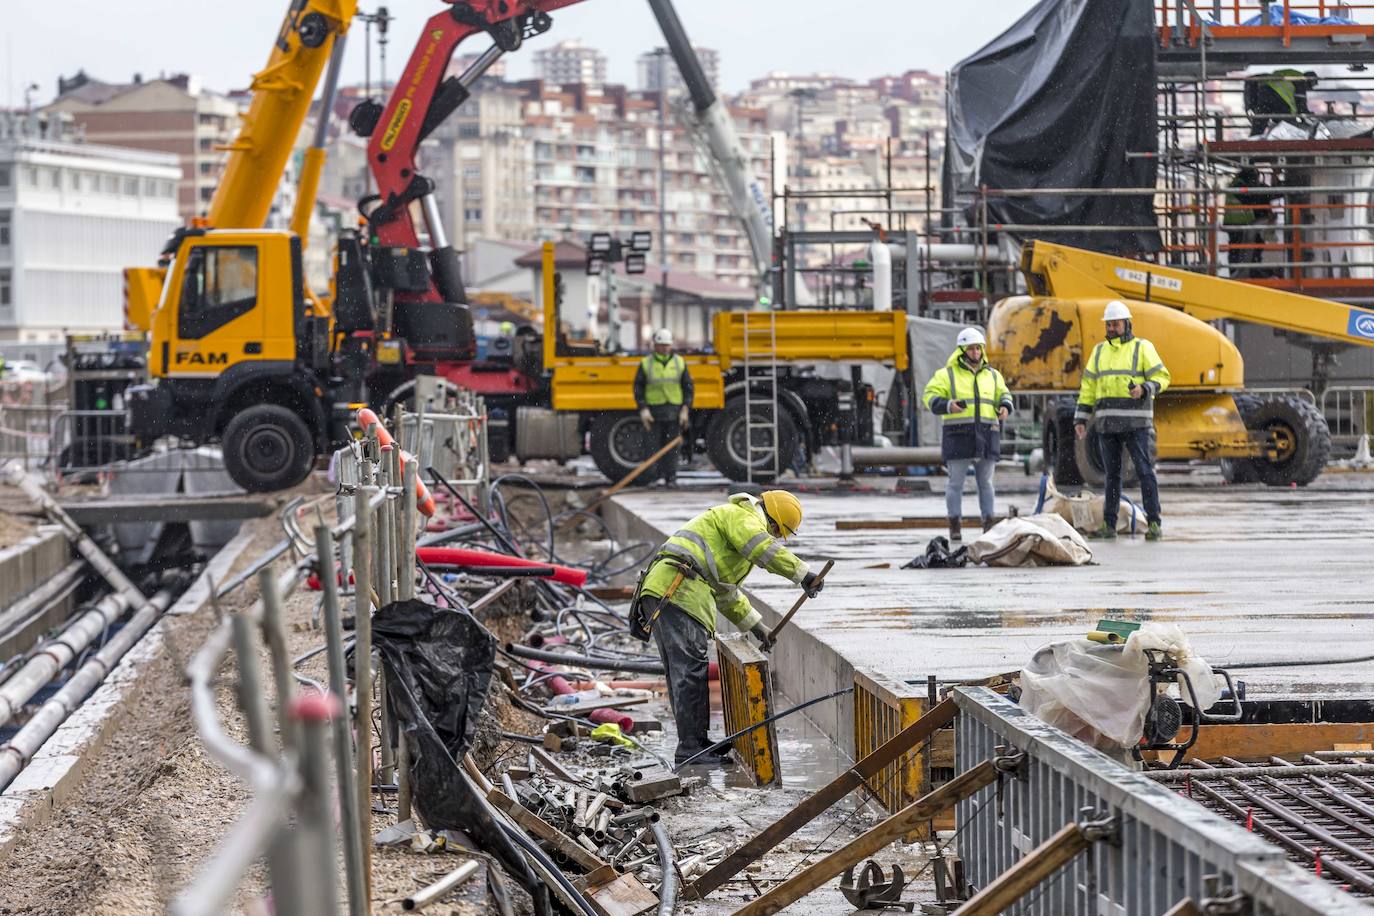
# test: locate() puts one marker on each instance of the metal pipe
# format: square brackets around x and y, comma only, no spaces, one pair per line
[1334,769]
[343,750]
[315,821]
[274,634]
[873,456]
[642,666]
[21,747]
[41,598]
[439,889]
[404,792]
[58,654]
[667,891]
[385,566]
[409,515]
[362,673]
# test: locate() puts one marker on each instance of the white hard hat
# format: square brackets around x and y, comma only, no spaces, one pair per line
[663,336]
[1116,311]
[970,336]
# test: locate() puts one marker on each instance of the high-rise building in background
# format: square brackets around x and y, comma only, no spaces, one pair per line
[648,67]
[570,62]
[73,215]
[168,115]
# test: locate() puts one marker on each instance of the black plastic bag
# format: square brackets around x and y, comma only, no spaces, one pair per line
[939,556]
[438,664]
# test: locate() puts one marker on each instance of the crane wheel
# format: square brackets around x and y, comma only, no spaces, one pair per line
[268,447]
[1295,441]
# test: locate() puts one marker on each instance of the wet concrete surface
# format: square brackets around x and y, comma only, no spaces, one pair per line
[1251,574]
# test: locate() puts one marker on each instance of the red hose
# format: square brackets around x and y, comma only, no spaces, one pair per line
[559,685]
[424,501]
[463,556]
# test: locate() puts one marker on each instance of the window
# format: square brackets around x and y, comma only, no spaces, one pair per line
[206,145]
[149,187]
[131,187]
[4,176]
[206,167]
[5,294]
[31,176]
[206,193]
[74,180]
[472,214]
[6,219]
[55,179]
[109,184]
[220,283]
[472,171]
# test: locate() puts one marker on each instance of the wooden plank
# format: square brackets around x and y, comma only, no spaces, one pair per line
[544,830]
[629,478]
[867,844]
[1027,874]
[553,766]
[1258,742]
[612,592]
[755,848]
[624,896]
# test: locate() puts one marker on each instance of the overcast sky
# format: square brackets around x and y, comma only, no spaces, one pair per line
[224,42]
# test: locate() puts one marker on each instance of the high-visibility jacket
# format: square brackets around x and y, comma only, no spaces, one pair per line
[1104,394]
[721,546]
[662,379]
[974,431]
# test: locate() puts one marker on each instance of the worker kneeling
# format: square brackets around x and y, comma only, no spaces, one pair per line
[695,574]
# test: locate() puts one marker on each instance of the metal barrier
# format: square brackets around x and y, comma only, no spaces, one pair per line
[26,433]
[1163,848]
[1347,409]
[883,707]
[746,695]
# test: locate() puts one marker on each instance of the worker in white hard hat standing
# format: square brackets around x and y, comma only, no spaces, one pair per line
[1121,380]
[971,399]
[663,394]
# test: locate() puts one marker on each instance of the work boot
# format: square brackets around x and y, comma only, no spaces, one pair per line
[955,531]
[987,522]
[1103,532]
[1152,532]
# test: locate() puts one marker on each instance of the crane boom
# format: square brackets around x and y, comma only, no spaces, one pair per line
[1072,273]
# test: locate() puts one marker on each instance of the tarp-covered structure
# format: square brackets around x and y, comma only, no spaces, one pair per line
[1058,101]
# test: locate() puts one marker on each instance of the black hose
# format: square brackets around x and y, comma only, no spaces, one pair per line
[667,891]
[498,572]
[773,718]
[640,666]
[1297,662]
[546,865]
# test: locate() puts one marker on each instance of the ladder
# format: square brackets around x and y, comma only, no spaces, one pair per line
[761,395]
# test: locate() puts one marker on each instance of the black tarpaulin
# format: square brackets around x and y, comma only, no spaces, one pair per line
[438,665]
[1057,101]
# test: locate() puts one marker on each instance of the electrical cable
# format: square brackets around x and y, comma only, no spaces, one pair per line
[768,721]
[1297,662]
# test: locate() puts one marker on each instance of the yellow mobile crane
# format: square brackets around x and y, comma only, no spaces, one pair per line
[1040,341]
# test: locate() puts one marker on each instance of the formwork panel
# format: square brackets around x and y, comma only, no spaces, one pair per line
[746,692]
[884,706]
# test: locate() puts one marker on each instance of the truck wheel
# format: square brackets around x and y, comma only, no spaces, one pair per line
[267,447]
[620,443]
[1295,443]
[1058,442]
[726,438]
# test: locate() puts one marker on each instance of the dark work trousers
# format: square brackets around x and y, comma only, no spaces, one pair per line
[682,645]
[1137,442]
[664,429]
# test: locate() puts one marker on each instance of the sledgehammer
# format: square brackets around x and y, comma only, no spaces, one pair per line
[772,639]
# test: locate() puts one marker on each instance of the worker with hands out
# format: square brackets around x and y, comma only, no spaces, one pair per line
[971,399]
[694,576]
[663,393]
[1121,380]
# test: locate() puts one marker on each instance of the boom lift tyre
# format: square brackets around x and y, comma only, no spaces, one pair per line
[268,447]
[1242,470]
[1295,441]
[1079,463]
[726,438]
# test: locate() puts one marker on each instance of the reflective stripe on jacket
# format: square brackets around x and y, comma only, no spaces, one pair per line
[663,379]
[1105,391]
[722,544]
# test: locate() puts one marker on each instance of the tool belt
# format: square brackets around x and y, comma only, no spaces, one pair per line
[641,623]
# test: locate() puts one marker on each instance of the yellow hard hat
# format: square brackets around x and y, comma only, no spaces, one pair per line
[784,509]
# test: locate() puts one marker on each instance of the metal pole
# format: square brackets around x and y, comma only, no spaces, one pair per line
[362,673]
[403,788]
[343,751]
[385,530]
[663,185]
[408,524]
[274,634]
[315,713]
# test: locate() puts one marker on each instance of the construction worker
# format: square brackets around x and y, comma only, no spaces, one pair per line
[1247,212]
[663,394]
[1121,380]
[971,399]
[696,574]
[1273,98]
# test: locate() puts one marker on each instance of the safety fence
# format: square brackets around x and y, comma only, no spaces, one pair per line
[1348,410]
[1140,847]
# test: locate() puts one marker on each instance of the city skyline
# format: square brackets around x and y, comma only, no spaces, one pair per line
[224,59]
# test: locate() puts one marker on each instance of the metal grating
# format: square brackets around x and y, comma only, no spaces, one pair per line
[746,693]
[882,708]
[1320,812]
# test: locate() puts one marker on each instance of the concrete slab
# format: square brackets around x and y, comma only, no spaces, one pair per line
[1250,574]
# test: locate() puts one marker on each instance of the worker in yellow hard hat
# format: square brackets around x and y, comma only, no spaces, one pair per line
[696,574]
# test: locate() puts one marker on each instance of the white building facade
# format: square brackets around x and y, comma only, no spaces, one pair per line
[72,217]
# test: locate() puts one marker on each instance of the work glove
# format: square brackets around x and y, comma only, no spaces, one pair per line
[682,416]
[646,417]
[812,585]
[760,632]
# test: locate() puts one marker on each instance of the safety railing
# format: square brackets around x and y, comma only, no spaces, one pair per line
[1149,849]
[1349,411]
[26,433]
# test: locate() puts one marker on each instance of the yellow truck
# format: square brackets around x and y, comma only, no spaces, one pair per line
[1039,342]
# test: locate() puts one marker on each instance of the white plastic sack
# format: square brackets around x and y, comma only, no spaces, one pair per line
[1085,510]
[1032,540]
[1100,693]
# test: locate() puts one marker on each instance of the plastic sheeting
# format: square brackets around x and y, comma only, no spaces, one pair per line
[1058,101]
[1031,540]
[1100,693]
[438,666]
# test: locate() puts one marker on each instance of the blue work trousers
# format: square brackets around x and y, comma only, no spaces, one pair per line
[1137,442]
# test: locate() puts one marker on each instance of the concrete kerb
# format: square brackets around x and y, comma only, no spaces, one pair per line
[803,666]
[60,766]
